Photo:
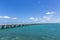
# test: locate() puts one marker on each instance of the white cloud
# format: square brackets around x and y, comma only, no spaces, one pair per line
[14,18]
[49,17]
[43,19]
[50,13]
[46,19]
[6,17]
[33,18]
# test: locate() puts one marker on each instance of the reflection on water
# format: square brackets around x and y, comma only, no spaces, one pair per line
[35,32]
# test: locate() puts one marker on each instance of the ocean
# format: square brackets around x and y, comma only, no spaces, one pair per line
[48,31]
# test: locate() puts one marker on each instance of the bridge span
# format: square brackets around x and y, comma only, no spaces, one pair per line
[5,26]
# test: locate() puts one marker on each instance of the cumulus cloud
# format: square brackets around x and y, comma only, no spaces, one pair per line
[43,19]
[14,18]
[33,18]
[6,17]
[50,13]
[46,18]
[49,17]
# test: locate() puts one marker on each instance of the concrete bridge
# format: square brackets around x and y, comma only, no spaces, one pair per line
[5,26]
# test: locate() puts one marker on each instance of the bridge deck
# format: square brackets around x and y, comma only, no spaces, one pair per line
[5,26]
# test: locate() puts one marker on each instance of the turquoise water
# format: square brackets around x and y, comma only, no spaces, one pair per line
[34,32]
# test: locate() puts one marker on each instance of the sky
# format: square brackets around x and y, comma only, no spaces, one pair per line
[29,11]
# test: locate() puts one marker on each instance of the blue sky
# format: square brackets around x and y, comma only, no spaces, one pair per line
[30,11]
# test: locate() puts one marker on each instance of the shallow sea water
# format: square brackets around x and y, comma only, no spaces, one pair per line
[35,32]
